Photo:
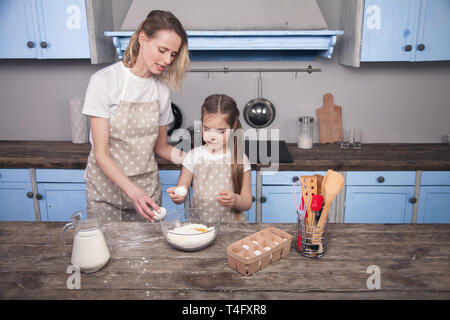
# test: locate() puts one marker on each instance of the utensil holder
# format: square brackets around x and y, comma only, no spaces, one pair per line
[310,242]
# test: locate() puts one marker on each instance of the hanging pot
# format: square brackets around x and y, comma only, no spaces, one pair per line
[259,112]
[178,120]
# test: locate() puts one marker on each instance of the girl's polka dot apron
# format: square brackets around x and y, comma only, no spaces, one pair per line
[132,137]
[211,178]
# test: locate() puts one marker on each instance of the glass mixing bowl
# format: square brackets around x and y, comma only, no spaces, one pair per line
[190,229]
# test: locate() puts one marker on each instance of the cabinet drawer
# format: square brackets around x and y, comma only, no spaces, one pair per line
[285,178]
[384,178]
[59,175]
[15,175]
[435,178]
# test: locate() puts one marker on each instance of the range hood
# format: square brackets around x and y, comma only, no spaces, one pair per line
[241,29]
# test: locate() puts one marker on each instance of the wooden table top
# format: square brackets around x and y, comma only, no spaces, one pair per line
[377,156]
[414,263]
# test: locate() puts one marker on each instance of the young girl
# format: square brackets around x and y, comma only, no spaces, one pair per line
[220,173]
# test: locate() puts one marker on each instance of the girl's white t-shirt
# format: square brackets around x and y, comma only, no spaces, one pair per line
[199,155]
[104,92]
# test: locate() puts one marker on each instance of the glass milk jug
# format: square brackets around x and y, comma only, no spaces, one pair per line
[306,134]
[89,252]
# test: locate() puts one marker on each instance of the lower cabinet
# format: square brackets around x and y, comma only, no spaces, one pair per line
[60,193]
[379,197]
[169,178]
[434,200]
[277,203]
[16,195]
[370,196]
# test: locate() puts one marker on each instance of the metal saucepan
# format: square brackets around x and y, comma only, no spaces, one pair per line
[178,120]
[259,112]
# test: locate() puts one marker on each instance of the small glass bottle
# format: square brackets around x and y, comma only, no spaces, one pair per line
[306,135]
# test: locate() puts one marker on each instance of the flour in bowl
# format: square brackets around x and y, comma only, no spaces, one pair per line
[191,236]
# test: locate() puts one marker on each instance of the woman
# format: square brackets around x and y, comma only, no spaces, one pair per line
[129,107]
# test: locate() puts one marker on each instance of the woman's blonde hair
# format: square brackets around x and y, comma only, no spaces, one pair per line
[158,20]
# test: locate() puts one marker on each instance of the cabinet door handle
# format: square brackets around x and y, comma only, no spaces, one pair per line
[295,179]
[263,199]
[421,47]
[408,47]
[30,44]
[39,196]
[380,179]
[30,195]
[413,200]
[43,44]
[253,198]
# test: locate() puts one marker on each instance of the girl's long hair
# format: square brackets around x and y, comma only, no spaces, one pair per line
[223,104]
[158,20]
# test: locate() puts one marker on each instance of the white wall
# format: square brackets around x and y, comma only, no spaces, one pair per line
[393,102]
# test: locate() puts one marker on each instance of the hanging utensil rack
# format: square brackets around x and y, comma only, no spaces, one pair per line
[225,69]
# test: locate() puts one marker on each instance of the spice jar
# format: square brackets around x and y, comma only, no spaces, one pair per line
[306,134]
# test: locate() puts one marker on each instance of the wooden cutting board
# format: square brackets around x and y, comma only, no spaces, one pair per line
[330,120]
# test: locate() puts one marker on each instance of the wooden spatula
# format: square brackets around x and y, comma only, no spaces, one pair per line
[330,120]
[331,186]
[309,188]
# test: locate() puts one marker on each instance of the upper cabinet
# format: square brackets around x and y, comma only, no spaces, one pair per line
[56,29]
[43,29]
[401,30]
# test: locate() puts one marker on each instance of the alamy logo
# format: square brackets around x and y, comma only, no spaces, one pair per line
[374,281]
[73,281]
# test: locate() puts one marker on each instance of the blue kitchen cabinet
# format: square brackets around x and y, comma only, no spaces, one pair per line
[44,29]
[402,30]
[388,27]
[379,197]
[16,195]
[433,36]
[169,178]
[434,199]
[61,192]
[18,32]
[413,30]
[277,203]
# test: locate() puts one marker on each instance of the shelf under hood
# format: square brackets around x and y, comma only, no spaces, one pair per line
[249,45]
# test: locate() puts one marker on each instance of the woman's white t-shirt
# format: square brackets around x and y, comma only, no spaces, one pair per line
[199,155]
[104,92]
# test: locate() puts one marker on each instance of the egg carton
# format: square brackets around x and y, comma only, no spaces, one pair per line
[258,250]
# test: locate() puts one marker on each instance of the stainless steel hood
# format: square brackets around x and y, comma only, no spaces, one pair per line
[241,29]
[222,15]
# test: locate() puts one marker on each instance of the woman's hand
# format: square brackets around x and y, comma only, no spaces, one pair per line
[176,199]
[141,201]
[227,198]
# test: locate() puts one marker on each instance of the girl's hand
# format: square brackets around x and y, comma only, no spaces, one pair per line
[227,198]
[176,199]
[141,201]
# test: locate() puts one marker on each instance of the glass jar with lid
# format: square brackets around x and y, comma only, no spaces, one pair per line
[306,135]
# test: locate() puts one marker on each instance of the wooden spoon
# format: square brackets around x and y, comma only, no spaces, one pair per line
[332,184]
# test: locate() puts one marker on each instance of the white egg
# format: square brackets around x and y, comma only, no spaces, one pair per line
[161,214]
[181,191]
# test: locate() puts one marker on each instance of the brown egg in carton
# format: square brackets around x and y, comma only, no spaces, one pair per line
[258,250]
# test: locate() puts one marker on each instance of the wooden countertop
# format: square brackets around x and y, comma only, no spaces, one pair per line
[388,157]
[414,263]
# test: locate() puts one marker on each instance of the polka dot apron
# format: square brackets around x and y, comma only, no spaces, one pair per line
[211,178]
[132,137]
